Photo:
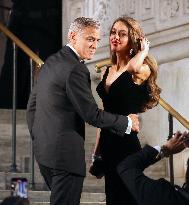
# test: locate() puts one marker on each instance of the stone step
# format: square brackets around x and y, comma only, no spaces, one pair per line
[43,196]
[91,184]
[23,141]
[6,116]
[6,119]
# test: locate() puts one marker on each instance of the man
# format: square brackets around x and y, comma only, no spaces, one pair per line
[148,191]
[58,108]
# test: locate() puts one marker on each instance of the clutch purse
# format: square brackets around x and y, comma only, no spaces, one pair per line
[97,168]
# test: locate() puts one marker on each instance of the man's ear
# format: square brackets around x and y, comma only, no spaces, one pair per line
[72,37]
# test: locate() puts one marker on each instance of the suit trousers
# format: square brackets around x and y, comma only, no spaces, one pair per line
[65,187]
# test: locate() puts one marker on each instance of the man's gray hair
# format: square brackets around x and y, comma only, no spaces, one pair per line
[82,22]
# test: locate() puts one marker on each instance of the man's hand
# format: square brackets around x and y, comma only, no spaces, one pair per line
[135,122]
[185,137]
[175,144]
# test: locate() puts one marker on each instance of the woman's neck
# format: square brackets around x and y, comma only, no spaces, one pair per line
[122,60]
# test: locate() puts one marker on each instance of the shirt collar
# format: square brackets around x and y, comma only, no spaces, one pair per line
[74,50]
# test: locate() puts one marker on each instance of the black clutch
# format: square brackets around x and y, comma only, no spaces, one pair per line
[97,168]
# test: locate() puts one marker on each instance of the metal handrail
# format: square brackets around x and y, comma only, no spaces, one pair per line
[39,63]
[21,45]
[162,102]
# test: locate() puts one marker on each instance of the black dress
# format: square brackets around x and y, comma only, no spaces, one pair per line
[124,97]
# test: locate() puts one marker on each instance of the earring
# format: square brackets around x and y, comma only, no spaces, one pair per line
[131,52]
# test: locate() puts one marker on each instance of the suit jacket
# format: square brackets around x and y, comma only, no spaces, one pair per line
[145,190]
[59,105]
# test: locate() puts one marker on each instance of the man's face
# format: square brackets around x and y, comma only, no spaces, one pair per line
[85,42]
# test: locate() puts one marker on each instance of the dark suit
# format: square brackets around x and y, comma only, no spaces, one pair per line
[145,190]
[59,106]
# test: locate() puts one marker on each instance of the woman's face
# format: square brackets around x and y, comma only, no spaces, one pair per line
[119,37]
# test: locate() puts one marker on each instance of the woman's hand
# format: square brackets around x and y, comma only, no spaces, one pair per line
[91,168]
[145,45]
[136,62]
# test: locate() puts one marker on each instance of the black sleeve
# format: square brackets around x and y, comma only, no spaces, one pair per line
[79,92]
[140,160]
[31,108]
[145,190]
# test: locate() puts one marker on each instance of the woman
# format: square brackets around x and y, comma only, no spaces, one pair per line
[128,86]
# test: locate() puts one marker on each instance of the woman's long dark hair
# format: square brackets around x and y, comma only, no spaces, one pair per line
[135,33]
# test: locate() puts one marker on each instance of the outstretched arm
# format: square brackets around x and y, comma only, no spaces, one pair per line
[144,189]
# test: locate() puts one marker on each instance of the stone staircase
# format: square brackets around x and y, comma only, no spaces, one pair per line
[42,197]
[93,189]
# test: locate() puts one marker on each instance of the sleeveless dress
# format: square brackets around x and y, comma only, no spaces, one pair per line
[124,97]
